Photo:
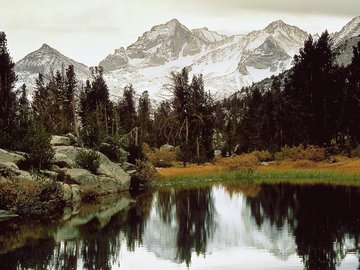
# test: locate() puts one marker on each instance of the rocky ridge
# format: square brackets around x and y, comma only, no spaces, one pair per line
[227,63]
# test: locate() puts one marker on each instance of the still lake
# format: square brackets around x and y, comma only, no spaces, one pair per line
[220,226]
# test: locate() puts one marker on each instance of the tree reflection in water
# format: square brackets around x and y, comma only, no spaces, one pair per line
[97,246]
[193,211]
[321,218]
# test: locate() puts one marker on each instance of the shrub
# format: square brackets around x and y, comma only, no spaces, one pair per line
[240,163]
[88,160]
[356,152]
[311,152]
[146,174]
[263,156]
[299,164]
[113,152]
[161,158]
[37,144]
[31,198]
[288,153]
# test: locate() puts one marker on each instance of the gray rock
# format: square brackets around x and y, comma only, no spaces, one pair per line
[82,177]
[62,160]
[10,165]
[217,153]
[167,147]
[24,176]
[7,214]
[107,169]
[60,140]
[128,166]
[49,174]
[114,171]
[74,139]
[131,172]
[55,168]
[6,156]
[75,193]
[67,193]
[9,169]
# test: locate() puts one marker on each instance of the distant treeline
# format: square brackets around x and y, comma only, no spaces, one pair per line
[317,102]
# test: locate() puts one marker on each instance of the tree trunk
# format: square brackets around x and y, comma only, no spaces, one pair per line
[198,149]
[76,128]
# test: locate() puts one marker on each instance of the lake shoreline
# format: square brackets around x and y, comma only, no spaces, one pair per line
[344,172]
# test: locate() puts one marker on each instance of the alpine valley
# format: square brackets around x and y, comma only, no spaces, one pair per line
[227,63]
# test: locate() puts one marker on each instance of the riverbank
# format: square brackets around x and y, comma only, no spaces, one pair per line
[344,171]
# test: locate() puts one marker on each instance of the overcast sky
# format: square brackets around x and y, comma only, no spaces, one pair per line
[88,30]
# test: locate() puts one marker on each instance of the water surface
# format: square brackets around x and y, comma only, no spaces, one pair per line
[227,226]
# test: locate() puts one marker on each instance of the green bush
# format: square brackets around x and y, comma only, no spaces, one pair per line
[37,144]
[88,160]
[146,174]
[113,152]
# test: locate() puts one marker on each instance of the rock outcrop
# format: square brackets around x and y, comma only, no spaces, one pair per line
[6,156]
[109,179]
[60,140]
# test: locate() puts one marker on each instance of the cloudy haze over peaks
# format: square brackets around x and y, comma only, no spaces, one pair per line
[88,30]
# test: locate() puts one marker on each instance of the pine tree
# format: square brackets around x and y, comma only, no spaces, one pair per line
[165,125]
[7,93]
[311,95]
[69,106]
[193,109]
[128,110]
[23,106]
[95,110]
[39,104]
[351,102]
[144,119]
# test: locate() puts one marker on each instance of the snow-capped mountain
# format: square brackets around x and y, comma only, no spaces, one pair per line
[47,61]
[227,63]
[350,30]
[207,36]
[344,41]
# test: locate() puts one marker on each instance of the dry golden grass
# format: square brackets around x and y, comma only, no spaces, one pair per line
[191,169]
[344,165]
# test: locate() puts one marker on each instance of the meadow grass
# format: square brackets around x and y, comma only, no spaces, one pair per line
[259,177]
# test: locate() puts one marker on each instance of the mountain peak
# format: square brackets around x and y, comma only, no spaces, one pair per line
[173,21]
[350,30]
[207,35]
[46,47]
[46,60]
[276,25]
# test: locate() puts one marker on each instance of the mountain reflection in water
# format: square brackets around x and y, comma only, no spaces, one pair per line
[228,225]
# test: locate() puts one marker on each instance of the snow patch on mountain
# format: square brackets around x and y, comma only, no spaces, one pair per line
[350,30]
[227,63]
